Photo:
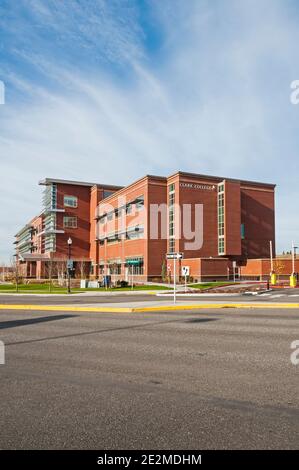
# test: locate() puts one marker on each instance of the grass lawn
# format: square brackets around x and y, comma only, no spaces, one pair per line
[44,289]
[209,285]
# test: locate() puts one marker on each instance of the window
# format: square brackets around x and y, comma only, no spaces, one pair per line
[242,231]
[50,197]
[50,243]
[171,245]
[140,203]
[221,231]
[50,223]
[221,246]
[70,201]
[134,233]
[107,193]
[70,222]
[129,209]
[109,216]
[112,238]
[135,265]
[171,221]
[114,267]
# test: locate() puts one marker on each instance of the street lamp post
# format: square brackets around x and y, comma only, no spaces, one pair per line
[293,279]
[273,276]
[17,272]
[69,244]
[294,248]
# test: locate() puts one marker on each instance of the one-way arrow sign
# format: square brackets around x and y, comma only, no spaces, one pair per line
[174,256]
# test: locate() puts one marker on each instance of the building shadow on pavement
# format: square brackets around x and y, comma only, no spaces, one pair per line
[31,321]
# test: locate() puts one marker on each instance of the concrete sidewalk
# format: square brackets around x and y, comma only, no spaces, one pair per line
[83,294]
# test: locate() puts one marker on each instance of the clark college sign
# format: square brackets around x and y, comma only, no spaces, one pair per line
[205,187]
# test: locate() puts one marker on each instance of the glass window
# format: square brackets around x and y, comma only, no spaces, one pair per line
[140,203]
[113,238]
[242,231]
[221,220]
[134,233]
[70,222]
[171,245]
[221,246]
[70,201]
[107,193]
[135,265]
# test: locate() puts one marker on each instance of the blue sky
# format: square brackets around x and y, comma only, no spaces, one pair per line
[108,91]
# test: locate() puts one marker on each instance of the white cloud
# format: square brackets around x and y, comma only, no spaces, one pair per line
[217,101]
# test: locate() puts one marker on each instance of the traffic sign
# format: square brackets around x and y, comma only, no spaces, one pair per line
[70,264]
[185,270]
[174,256]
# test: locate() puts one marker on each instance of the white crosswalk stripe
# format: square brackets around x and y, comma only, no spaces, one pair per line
[277,296]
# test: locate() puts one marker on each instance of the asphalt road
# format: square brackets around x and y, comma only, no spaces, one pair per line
[277,295]
[213,379]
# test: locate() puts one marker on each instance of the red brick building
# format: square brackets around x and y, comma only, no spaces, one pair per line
[216,223]
[41,245]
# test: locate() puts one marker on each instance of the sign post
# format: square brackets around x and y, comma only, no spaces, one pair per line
[174,257]
[234,269]
[131,263]
[185,272]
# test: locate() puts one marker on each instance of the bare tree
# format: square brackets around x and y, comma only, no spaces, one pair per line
[61,271]
[49,272]
[3,269]
[14,263]
[82,268]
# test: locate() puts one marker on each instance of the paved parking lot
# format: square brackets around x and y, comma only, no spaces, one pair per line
[207,379]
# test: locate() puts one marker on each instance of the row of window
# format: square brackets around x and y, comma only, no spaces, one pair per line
[221,242]
[50,197]
[221,234]
[133,233]
[171,229]
[128,208]
[70,222]
[70,201]
[116,267]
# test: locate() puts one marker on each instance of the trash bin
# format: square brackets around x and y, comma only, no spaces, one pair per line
[273,279]
[293,280]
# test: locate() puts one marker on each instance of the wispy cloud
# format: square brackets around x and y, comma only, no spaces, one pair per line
[89,99]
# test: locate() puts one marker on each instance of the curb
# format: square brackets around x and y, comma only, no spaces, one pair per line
[72,308]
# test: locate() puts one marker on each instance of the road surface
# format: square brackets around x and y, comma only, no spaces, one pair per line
[199,380]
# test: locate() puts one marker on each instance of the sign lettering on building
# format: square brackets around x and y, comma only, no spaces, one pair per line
[205,187]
